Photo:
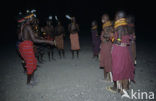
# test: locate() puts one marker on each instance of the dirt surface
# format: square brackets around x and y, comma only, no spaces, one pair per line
[70,79]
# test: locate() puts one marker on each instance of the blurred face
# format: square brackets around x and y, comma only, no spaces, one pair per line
[128,20]
[48,23]
[59,23]
[73,19]
[119,15]
[93,23]
[104,18]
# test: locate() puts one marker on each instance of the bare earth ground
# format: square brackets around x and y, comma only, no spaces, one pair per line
[70,80]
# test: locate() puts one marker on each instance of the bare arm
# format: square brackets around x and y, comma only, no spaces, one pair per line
[35,40]
[69,26]
[77,27]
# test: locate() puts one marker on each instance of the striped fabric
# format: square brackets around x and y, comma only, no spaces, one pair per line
[27,52]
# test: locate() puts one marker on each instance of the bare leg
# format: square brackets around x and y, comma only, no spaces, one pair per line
[77,53]
[23,65]
[59,51]
[63,53]
[105,74]
[125,84]
[72,54]
[52,53]
[29,78]
[49,55]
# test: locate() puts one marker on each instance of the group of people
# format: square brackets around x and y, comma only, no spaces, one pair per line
[32,40]
[116,49]
[115,46]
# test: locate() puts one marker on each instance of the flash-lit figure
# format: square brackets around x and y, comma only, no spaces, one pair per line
[122,64]
[21,22]
[48,31]
[59,38]
[106,46]
[26,46]
[131,31]
[95,39]
[36,30]
[74,37]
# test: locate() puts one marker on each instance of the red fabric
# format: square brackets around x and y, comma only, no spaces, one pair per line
[27,53]
[59,41]
[106,56]
[74,40]
[122,64]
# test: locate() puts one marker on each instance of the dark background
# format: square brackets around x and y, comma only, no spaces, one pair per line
[85,11]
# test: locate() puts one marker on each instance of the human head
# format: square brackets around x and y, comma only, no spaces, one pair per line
[130,19]
[105,18]
[73,19]
[59,23]
[94,23]
[120,14]
[48,22]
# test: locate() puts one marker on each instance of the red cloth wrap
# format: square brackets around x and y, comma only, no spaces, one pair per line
[27,52]
[74,40]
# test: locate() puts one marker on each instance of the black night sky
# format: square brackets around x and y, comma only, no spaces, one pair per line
[84,10]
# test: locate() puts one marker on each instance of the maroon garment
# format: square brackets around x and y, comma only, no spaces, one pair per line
[122,64]
[95,42]
[105,55]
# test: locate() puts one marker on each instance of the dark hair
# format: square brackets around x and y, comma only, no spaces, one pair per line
[95,22]
[122,14]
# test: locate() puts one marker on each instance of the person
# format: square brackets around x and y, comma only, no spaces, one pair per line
[95,39]
[21,22]
[38,50]
[48,30]
[131,31]
[59,38]
[106,46]
[26,47]
[74,37]
[122,64]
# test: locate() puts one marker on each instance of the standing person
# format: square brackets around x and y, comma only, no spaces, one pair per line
[122,64]
[26,46]
[131,31]
[59,38]
[49,35]
[20,25]
[106,46]
[95,39]
[37,48]
[74,37]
